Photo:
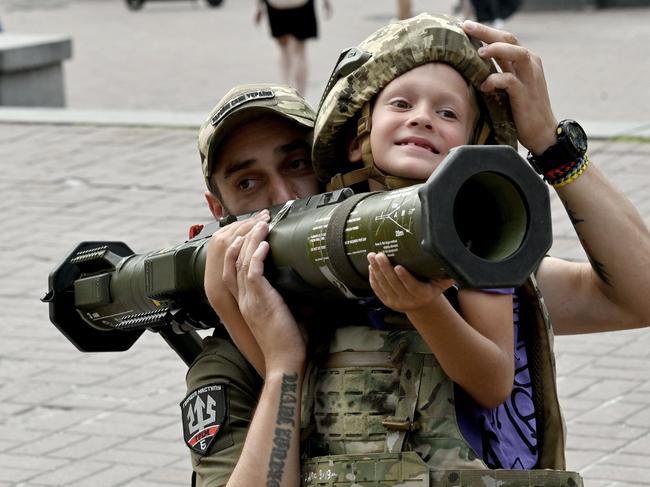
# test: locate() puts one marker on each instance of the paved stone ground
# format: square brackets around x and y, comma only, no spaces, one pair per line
[74,419]
[69,418]
[88,419]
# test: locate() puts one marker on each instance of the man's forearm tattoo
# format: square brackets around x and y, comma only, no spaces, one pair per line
[596,265]
[572,216]
[285,425]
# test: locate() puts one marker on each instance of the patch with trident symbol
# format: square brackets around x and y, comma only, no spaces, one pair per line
[204,412]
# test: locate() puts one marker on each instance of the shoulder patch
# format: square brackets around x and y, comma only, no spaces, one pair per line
[204,412]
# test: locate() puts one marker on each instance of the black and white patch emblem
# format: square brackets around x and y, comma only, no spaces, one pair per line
[204,413]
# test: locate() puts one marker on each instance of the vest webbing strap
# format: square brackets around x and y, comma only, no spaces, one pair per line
[365,173]
[338,262]
[410,377]
[408,470]
[551,431]
[505,478]
[355,359]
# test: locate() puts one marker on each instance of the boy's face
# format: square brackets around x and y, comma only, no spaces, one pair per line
[262,163]
[418,117]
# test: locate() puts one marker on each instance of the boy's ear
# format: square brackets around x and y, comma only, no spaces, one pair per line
[354,150]
[216,208]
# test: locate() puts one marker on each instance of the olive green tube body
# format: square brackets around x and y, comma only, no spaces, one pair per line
[483,219]
[386,222]
[142,283]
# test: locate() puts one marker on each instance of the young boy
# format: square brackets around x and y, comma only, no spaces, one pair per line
[412,91]
[416,119]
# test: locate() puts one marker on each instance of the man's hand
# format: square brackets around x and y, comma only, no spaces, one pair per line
[220,298]
[270,320]
[523,79]
[215,288]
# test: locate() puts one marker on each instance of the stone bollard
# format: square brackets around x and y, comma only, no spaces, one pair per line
[31,71]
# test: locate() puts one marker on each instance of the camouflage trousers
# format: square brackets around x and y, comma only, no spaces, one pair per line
[408,470]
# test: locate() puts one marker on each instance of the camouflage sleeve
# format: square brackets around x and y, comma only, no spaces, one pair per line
[220,364]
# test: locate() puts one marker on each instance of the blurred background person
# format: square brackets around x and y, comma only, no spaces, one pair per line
[404,9]
[494,12]
[463,9]
[292,22]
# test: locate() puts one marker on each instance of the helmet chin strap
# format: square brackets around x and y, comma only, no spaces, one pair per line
[369,169]
[481,133]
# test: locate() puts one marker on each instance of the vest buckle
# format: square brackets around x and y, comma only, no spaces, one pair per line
[398,424]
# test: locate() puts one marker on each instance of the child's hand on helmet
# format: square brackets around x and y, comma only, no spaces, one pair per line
[523,79]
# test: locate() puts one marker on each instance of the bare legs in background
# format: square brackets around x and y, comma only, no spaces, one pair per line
[293,62]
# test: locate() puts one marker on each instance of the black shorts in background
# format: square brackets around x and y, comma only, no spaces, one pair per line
[299,22]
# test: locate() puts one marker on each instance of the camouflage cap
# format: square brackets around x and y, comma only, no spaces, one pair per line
[244,103]
[391,51]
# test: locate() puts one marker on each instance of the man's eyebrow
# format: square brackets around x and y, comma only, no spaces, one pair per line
[238,166]
[282,149]
[292,146]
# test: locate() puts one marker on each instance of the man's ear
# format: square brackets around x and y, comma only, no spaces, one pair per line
[354,150]
[216,208]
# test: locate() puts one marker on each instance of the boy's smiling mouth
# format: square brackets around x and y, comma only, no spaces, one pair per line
[418,142]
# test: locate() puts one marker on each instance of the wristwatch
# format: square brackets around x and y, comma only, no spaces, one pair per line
[571,144]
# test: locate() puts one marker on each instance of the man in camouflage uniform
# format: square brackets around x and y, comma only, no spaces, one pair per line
[255,149]
[263,448]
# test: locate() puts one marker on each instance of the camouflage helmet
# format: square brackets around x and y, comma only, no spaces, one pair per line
[362,72]
[244,103]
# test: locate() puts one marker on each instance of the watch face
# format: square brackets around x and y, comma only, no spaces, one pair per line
[576,136]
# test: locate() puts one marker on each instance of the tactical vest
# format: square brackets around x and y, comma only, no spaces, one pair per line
[380,412]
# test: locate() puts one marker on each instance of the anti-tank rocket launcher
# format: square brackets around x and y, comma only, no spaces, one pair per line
[483,218]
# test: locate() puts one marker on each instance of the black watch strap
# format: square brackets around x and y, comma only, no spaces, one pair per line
[571,144]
